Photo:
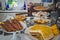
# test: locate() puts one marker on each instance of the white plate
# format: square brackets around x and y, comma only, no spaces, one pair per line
[7,18]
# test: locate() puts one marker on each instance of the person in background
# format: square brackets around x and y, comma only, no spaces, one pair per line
[0,6]
[30,8]
[54,13]
[58,8]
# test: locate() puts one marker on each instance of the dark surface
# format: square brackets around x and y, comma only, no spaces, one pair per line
[58,12]
[1,32]
[5,34]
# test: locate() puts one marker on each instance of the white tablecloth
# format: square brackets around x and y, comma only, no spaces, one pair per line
[23,37]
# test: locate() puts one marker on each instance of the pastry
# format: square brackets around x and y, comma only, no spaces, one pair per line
[20,17]
[9,26]
[17,24]
[12,25]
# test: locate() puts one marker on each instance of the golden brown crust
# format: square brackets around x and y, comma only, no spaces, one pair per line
[5,27]
[20,17]
[11,25]
[17,24]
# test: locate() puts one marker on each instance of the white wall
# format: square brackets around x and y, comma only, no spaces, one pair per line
[39,1]
[20,4]
[47,4]
[34,1]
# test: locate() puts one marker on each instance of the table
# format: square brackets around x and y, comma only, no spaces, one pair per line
[2,37]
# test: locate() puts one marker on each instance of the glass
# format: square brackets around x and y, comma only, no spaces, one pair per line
[49,0]
[43,0]
[46,0]
[58,0]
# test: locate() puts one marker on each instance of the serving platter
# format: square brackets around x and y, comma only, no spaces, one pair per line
[14,32]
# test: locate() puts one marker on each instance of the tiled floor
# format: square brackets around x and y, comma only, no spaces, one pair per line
[22,37]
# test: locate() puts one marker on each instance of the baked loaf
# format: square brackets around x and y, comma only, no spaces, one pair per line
[12,25]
